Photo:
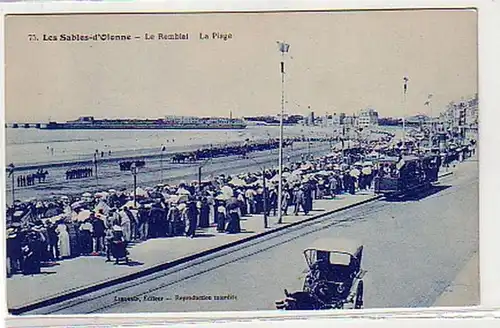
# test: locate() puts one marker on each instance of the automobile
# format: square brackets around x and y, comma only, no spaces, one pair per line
[334,277]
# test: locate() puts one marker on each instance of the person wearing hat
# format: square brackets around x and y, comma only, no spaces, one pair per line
[99,232]
[191,216]
[14,247]
[204,213]
[63,243]
[52,241]
[86,230]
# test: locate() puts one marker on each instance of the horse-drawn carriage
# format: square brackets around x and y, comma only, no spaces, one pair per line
[333,280]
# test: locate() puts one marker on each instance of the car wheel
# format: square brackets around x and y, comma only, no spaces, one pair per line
[359,296]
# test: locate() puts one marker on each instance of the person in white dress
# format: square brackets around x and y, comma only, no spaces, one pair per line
[63,242]
[125,225]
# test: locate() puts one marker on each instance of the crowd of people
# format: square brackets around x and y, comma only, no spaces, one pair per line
[30,179]
[79,173]
[92,224]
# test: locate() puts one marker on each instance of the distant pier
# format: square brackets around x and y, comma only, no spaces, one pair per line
[25,125]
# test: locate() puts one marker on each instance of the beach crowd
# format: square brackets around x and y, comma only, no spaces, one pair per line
[41,232]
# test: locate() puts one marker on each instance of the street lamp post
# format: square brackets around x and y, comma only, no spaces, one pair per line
[265,197]
[95,169]
[133,168]
[283,48]
[405,89]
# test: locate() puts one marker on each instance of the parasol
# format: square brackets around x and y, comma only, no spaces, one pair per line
[226,190]
[237,182]
[354,173]
[129,204]
[78,204]
[82,216]
[367,170]
[139,192]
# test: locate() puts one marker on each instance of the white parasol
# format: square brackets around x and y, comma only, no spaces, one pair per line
[102,206]
[141,192]
[82,216]
[77,204]
[276,178]
[237,182]
[222,197]
[228,191]
[354,173]
[367,170]
[129,204]
[101,194]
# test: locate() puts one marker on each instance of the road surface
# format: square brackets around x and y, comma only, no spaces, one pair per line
[414,249]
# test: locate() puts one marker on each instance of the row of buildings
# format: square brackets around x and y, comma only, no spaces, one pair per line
[365,118]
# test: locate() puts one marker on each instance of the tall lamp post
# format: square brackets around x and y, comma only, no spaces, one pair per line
[199,171]
[133,169]
[431,123]
[95,169]
[405,90]
[283,48]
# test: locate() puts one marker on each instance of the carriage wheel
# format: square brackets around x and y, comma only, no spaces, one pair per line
[359,296]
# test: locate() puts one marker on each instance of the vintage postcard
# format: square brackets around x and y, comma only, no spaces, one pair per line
[181,162]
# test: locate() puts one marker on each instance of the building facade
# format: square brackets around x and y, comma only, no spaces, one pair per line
[367,117]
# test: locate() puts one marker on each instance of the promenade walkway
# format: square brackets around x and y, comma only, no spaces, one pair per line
[83,273]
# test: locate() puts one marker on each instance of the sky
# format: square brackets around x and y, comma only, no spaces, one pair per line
[338,62]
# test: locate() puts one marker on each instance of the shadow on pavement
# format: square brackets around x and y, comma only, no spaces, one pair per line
[418,195]
[203,235]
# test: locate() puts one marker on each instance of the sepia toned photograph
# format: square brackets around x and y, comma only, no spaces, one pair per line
[244,161]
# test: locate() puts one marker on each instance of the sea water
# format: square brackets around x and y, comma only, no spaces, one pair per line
[30,146]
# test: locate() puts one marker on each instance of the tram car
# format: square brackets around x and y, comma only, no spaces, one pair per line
[399,176]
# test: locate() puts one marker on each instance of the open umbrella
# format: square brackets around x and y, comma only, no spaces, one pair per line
[354,173]
[237,182]
[129,204]
[226,190]
[367,170]
[102,206]
[78,204]
[222,197]
[82,216]
[141,192]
